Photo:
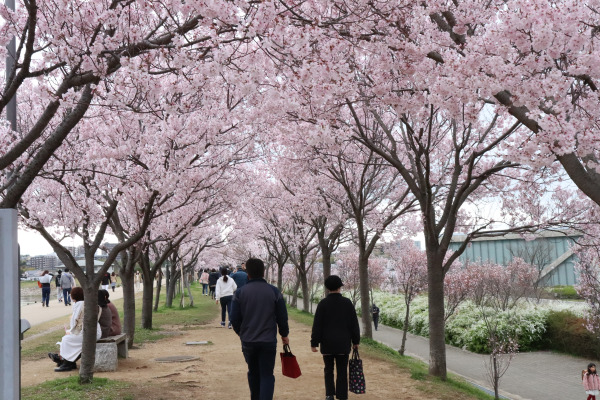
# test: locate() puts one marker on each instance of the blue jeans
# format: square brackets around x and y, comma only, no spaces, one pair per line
[67,296]
[205,288]
[260,358]
[45,295]
[225,306]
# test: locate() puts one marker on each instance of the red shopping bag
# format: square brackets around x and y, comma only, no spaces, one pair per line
[289,365]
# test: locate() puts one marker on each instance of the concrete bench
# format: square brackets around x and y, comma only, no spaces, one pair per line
[108,350]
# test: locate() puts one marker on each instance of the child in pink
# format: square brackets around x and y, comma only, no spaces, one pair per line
[591,382]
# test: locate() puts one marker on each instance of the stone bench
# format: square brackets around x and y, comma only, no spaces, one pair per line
[108,350]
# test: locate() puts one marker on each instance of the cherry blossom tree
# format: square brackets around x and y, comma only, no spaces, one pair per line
[410,267]
[87,49]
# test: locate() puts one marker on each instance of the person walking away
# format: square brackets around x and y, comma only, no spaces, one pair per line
[224,292]
[115,325]
[66,283]
[105,281]
[204,281]
[591,382]
[257,312]
[335,330]
[137,279]
[59,293]
[213,277]
[240,277]
[113,281]
[375,312]
[45,281]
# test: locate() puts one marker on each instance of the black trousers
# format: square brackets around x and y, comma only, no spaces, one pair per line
[340,388]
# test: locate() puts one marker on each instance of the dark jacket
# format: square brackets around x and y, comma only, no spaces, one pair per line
[240,278]
[257,310]
[335,327]
[213,277]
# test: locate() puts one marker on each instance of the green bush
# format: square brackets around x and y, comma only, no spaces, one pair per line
[566,333]
[563,292]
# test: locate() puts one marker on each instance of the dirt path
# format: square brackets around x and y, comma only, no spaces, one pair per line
[220,371]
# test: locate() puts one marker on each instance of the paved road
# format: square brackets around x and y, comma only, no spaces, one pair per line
[531,376]
[36,314]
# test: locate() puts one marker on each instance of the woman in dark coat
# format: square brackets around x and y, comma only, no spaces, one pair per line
[335,329]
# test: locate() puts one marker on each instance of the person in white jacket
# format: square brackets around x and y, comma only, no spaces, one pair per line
[224,294]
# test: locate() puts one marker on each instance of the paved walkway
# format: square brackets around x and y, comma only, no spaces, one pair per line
[36,314]
[531,376]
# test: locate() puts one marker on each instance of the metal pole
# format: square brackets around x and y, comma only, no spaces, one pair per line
[11,107]
[10,329]
[10,377]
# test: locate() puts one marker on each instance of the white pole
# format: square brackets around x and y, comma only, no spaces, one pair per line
[10,369]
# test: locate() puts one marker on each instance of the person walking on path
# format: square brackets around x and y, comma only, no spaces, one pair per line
[113,281]
[213,277]
[45,281]
[66,283]
[335,330]
[137,279]
[204,281]
[240,277]
[591,382]
[257,311]
[375,312]
[59,293]
[224,293]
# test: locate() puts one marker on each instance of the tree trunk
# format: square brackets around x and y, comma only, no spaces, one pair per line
[280,276]
[147,294]
[496,377]
[305,293]
[128,305]
[171,289]
[435,294]
[365,301]
[326,261]
[404,330]
[189,291]
[158,287]
[295,293]
[90,328]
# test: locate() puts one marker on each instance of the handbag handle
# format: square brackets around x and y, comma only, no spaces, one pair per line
[355,355]
[286,349]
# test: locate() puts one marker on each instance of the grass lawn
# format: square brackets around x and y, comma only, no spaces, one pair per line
[430,386]
[28,284]
[70,389]
[105,389]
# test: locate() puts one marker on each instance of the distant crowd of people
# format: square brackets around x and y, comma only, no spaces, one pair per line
[65,282]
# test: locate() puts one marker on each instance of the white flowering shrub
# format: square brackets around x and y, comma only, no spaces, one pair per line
[466,329]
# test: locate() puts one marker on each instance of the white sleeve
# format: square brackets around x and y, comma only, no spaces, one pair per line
[218,289]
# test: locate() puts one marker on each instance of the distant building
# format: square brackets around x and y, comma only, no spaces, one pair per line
[550,253]
[76,251]
[43,262]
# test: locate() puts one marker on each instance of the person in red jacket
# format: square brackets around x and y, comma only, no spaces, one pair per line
[335,329]
[591,382]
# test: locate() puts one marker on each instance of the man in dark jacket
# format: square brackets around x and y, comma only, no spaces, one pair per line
[335,329]
[257,310]
[213,277]
[240,277]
